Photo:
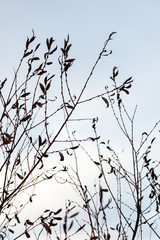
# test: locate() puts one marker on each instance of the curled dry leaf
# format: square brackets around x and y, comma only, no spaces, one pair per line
[106,101]
[61,156]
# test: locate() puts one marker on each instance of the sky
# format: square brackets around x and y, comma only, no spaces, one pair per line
[135,46]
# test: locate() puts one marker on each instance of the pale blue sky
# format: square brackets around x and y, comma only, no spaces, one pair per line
[136,48]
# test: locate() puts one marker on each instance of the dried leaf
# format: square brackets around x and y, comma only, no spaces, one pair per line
[51,77]
[45,80]
[100,175]
[49,63]
[115,72]
[93,139]
[51,223]
[27,234]
[144,133]
[29,222]
[70,60]
[51,40]
[37,46]
[17,218]
[106,101]
[108,236]
[39,141]
[81,227]
[67,66]
[97,163]
[39,104]
[61,156]
[129,80]
[153,140]
[58,211]
[25,94]
[10,230]
[48,86]
[75,147]
[39,68]
[71,225]
[63,51]
[25,118]
[42,72]
[42,88]
[27,43]
[2,84]
[67,38]
[58,218]
[46,211]
[34,59]
[48,44]
[69,106]
[21,177]
[32,39]
[74,215]
[104,190]
[40,160]
[110,36]
[47,228]
[129,86]
[124,90]
[27,53]
[69,46]
[5,140]
[65,228]
[51,52]
[45,155]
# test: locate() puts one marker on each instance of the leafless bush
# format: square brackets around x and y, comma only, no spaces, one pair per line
[31,123]
[35,113]
[126,199]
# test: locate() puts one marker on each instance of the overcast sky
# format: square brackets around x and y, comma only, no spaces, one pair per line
[136,46]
